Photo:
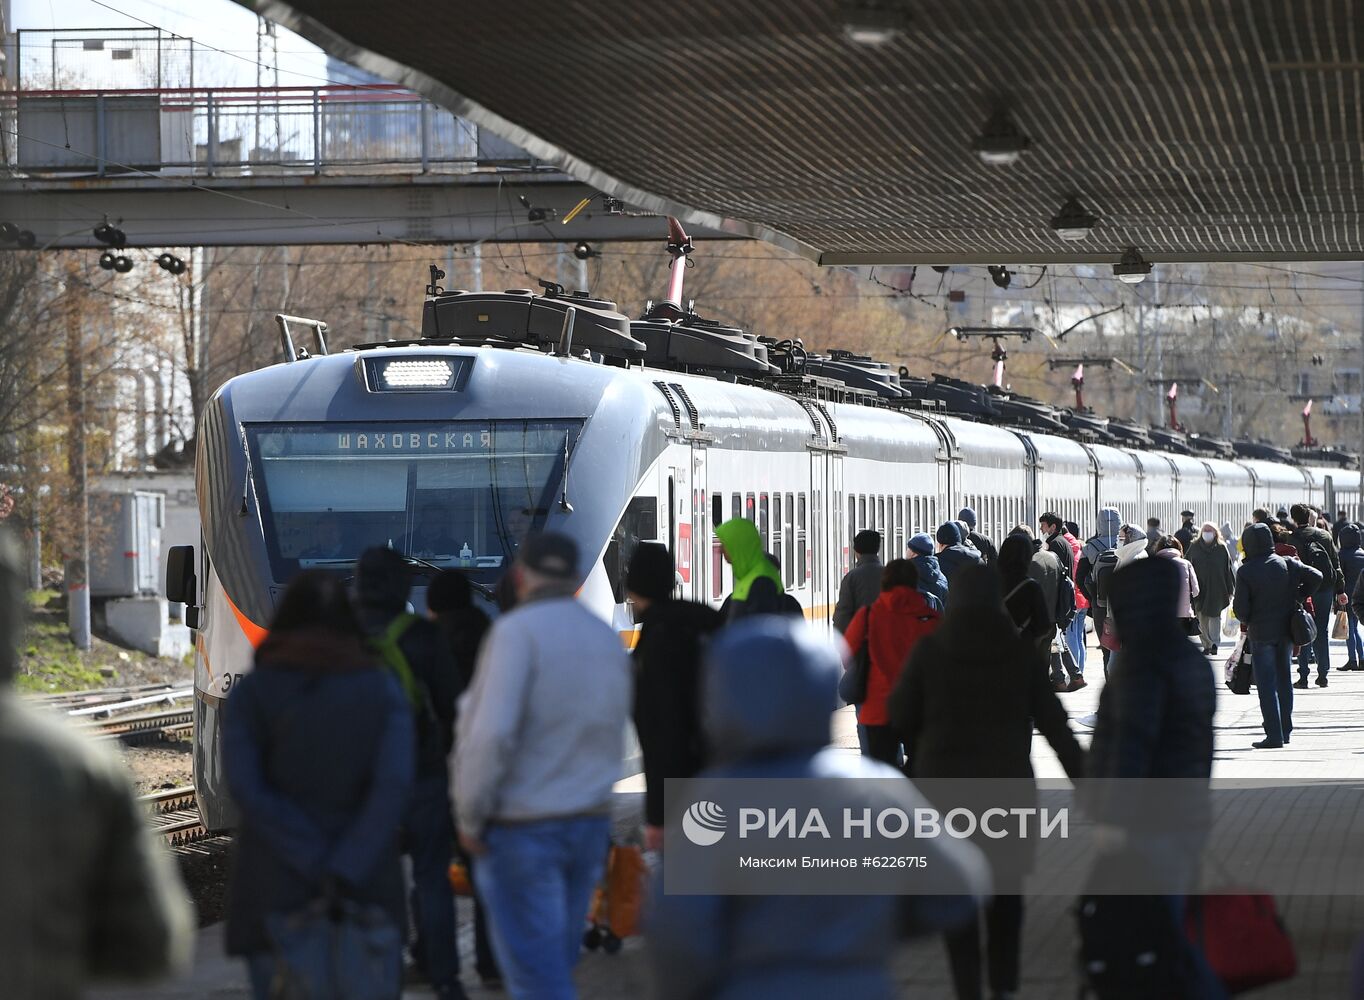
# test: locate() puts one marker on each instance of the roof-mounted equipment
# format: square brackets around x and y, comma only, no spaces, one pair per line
[520,317]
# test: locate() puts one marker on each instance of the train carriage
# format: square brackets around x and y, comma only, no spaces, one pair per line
[1276,485]
[1233,495]
[989,474]
[1117,483]
[451,451]
[1064,482]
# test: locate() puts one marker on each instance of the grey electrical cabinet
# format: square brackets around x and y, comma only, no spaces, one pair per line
[125,543]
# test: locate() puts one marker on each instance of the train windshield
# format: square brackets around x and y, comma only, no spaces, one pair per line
[458,493]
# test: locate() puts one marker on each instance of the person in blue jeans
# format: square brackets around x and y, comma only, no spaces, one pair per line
[1316,548]
[1268,589]
[538,749]
[1352,565]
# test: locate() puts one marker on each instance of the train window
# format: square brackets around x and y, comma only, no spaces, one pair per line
[750,511]
[881,515]
[775,547]
[717,504]
[790,559]
[851,532]
[736,506]
[802,570]
[862,511]
[894,553]
[638,523]
[762,522]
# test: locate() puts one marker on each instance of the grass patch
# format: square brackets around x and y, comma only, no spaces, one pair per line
[49,661]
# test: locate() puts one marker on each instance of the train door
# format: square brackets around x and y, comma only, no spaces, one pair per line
[837,543]
[680,507]
[700,525]
[817,550]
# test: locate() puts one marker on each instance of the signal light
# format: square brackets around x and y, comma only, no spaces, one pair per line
[170,262]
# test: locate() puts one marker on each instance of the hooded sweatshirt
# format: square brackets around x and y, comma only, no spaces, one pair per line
[1351,556]
[794,947]
[744,546]
[1155,713]
[1269,586]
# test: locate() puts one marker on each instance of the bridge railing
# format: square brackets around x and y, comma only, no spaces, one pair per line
[244,131]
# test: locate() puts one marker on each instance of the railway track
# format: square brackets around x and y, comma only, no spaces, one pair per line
[175,817]
[144,727]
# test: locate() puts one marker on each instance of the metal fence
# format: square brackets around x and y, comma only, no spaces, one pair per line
[243,130]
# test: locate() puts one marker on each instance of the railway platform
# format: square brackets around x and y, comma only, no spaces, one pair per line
[1329,730]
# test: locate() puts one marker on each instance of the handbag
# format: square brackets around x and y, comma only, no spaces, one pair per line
[1190,626]
[1239,674]
[852,686]
[1302,627]
[1108,638]
[1342,626]
[335,948]
[1242,938]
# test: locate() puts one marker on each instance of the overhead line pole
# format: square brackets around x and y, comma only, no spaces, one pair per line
[77,569]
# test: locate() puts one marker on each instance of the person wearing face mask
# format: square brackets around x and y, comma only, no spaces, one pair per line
[1216,583]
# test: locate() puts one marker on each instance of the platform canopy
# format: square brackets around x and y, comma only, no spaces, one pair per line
[848,132]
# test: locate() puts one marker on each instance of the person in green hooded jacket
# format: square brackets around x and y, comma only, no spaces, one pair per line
[758,588]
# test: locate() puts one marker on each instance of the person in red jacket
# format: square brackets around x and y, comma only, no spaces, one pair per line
[889,627]
[1075,631]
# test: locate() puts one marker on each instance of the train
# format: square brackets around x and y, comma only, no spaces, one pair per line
[523,411]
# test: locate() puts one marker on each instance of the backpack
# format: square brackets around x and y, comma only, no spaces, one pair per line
[1065,601]
[1102,574]
[1131,949]
[386,646]
[1314,554]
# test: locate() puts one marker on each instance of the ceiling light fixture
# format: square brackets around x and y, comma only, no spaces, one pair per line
[1000,275]
[1000,143]
[872,25]
[1073,223]
[1133,268]
[583,250]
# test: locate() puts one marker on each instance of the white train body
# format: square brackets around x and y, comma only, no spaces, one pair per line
[651,454]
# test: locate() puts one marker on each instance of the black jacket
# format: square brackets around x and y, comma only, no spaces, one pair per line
[950,731]
[1301,536]
[464,630]
[1058,546]
[1186,535]
[667,660]
[1024,598]
[428,654]
[984,546]
[1269,587]
[1155,713]
[860,587]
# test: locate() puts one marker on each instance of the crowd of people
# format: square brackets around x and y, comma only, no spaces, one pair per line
[367,733]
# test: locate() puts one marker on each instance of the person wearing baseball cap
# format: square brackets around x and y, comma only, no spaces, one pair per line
[539,746]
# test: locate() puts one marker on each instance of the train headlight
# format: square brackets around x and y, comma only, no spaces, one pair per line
[424,373]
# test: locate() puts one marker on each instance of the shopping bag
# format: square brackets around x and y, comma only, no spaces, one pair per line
[1238,674]
[1341,627]
[618,900]
[1242,938]
[460,883]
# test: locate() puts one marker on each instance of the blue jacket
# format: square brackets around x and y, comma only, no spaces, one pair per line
[319,751]
[792,947]
[1351,556]
[931,579]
